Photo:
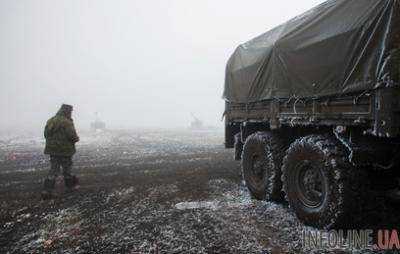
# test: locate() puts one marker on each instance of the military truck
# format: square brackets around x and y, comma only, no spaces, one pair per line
[313,110]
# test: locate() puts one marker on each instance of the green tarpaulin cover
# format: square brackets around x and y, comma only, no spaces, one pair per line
[338,47]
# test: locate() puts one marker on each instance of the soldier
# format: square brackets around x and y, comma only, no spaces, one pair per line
[60,135]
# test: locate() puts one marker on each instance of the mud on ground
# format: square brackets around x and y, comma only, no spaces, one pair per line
[141,192]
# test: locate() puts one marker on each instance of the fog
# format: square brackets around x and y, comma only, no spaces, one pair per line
[138,63]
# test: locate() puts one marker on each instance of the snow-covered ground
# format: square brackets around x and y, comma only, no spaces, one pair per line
[141,192]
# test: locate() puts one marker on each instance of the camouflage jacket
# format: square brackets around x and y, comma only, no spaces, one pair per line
[60,135]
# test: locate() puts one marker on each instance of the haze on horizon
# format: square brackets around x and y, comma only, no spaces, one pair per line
[138,63]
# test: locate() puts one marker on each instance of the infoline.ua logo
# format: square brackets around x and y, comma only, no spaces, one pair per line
[351,239]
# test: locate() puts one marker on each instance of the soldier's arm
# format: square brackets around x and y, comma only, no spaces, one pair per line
[71,132]
[46,131]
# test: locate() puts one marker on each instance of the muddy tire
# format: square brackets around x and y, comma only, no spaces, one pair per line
[320,184]
[261,165]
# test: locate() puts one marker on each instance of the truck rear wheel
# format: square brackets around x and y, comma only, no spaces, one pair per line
[261,165]
[320,185]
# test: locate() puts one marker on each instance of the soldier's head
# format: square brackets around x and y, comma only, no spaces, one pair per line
[66,110]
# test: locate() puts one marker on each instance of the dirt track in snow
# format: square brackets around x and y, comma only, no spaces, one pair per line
[141,192]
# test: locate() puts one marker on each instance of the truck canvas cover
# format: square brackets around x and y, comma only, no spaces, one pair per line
[340,46]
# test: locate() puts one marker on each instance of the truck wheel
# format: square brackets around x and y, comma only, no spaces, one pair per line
[320,185]
[261,165]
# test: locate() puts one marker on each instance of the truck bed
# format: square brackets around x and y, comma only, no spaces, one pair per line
[376,111]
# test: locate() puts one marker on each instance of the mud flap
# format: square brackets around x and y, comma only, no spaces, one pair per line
[238,147]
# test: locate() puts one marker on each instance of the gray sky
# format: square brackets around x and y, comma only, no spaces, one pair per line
[146,63]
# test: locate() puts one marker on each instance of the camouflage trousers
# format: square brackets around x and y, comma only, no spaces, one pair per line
[56,164]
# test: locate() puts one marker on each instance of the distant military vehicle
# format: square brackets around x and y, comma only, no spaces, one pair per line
[97,124]
[313,109]
[196,124]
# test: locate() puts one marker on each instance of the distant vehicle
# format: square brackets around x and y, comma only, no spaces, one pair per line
[98,124]
[313,109]
[196,124]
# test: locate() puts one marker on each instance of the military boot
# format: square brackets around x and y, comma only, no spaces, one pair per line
[48,186]
[71,183]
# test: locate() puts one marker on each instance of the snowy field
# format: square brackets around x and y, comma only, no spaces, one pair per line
[141,192]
